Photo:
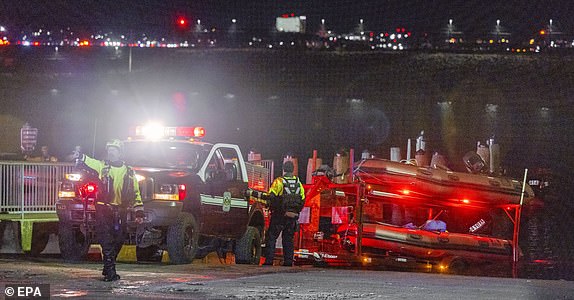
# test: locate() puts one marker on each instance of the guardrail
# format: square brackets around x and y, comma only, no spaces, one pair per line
[30,187]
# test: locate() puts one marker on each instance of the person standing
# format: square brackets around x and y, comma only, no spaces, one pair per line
[44,157]
[286,198]
[120,193]
[75,153]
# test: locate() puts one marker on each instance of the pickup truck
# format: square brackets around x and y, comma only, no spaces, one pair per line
[195,200]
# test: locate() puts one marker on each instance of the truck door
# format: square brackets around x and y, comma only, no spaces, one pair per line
[224,209]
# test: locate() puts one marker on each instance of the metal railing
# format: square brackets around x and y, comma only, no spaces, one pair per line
[260,174]
[30,187]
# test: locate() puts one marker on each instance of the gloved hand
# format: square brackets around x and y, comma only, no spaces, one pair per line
[254,194]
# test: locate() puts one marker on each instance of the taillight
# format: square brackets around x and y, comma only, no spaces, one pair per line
[182,191]
[89,188]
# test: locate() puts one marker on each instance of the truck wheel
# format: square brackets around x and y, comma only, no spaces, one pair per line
[248,248]
[74,245]
[182,239]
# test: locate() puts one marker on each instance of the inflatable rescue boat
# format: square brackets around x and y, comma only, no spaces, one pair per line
[428,245]
[399,180]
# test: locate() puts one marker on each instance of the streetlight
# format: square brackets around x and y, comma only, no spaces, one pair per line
[322,29]
[449,29]
[550,33]
[361,27]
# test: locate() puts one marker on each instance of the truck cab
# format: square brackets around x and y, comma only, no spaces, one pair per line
[194,196]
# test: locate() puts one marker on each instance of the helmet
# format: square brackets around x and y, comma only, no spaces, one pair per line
[115,143]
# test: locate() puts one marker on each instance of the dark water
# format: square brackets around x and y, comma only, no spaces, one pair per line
[294,102]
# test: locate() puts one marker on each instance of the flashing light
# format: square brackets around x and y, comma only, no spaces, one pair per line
[182,23]
[156,131]
[542,32]
[466,201]
[89,188]
[405,192]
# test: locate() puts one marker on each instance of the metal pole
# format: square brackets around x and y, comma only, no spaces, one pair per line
[518,212]
[359,217]
[351,163]
[314,164]
[130,61]
[94,141]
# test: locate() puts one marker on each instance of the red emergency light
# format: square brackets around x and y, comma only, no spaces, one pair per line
[156,132]
[89,188]
[197,132]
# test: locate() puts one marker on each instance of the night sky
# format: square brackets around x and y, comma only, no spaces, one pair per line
[469,16]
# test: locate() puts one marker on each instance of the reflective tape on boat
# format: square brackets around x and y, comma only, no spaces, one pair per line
[384,194]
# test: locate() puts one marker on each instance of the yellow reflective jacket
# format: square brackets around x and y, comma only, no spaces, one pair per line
[277,186]
[117,174]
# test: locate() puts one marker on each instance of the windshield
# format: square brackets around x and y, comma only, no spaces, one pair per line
[164,154]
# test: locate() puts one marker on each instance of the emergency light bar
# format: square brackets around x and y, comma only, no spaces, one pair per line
[156,132]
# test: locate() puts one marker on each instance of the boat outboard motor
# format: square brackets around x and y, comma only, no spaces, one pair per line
[473,162]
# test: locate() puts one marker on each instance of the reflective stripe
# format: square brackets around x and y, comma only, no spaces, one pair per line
[218,201]
[291,186]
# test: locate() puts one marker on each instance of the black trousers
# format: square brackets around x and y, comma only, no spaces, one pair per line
[280,224]
[110,232]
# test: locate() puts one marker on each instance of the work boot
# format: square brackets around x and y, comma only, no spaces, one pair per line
[109,270]
[111,277]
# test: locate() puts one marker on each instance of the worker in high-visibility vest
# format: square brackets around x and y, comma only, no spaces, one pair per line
[286,198]
[120,194]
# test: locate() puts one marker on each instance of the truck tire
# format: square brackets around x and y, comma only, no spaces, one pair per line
[74,245]
[182,239]
[248,248]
